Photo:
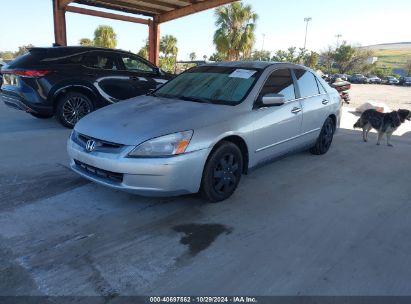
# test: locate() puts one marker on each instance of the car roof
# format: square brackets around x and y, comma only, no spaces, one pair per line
[255,64]
[77,49]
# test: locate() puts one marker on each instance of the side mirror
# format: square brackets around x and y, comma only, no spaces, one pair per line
[273,99]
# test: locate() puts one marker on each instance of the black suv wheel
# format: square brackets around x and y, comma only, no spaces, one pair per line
[222,173]
[71,107]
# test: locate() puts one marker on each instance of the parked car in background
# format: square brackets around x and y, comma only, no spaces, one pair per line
[405,81]
[70,82]
[374,79]
[358,78]
[212,124]
[2,63]
[390,80]
[343,77]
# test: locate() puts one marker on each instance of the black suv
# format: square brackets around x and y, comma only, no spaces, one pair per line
[70,82]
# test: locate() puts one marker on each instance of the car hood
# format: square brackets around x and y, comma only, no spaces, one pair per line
[136,120]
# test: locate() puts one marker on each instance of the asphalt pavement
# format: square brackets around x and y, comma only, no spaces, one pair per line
[337,224]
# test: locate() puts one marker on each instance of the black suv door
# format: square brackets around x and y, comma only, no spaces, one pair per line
[143,76]
[112,84]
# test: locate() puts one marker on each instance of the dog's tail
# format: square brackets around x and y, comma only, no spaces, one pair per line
[358,124]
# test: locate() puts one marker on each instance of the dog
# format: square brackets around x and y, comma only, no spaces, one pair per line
[384,123]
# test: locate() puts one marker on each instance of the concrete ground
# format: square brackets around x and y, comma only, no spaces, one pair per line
[337,224]
[396,97]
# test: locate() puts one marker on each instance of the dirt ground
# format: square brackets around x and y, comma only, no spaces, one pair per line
[395,97]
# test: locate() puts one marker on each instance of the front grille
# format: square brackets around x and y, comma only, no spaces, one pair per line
[100,143]
[112,176]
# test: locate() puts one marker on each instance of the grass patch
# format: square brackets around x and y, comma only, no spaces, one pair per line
[392,58]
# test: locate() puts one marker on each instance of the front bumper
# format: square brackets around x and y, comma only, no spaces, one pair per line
[144,176]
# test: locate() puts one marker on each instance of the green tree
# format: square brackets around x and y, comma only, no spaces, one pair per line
[169,50]
[407,66]
[382,72]
[193,56]
[7,55]
[327,60]
[168,45]
[235,35]
[261,55]
[352,59]
[143,52]
[217,57]
[104,36]
[86,42]
[23,50]
[311,60]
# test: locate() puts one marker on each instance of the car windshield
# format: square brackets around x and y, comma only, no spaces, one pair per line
[211,84]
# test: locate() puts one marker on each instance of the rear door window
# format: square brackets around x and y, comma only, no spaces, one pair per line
[105,61]
[280,82]
[306,83]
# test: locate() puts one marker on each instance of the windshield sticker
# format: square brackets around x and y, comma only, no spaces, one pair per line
[240,73]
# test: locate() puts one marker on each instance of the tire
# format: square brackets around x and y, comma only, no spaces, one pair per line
[71,107]
[41,116]
[325,139]
[222,172]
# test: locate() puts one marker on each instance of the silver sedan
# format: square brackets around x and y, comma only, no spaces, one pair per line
[205,128]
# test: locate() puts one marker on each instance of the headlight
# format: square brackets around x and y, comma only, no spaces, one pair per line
[172,144]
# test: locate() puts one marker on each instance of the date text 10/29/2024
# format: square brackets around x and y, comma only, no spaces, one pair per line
[205,299]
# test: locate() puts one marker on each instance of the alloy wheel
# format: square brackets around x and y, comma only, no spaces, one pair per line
[74,109]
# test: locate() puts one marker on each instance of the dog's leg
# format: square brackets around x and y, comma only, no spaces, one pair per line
[380,134]
[364,134]
[369,127]
[388,139]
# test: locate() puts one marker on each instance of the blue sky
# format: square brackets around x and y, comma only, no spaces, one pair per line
[362,22]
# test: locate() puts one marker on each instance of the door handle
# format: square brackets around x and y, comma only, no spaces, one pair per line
[296,110]
[134,78]
[325,101]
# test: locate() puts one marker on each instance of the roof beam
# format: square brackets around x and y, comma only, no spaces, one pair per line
[63,3]
[114,4]
[84,11]
[130,10]
[191,9]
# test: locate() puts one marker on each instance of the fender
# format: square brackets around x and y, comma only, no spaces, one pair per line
[65,87]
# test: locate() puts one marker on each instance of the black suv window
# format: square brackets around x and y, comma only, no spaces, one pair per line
[101,61]
[307,83]
[132,63]
[280,82]
[74,59]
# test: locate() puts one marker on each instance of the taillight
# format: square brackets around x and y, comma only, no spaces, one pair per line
[28,73]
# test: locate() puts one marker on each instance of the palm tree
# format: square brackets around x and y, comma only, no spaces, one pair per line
[104,36]
[86,42]
[193,56]
[143,52]
[235,34]
[168,45]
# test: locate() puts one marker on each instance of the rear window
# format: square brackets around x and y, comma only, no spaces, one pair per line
[26,60]
[307,83]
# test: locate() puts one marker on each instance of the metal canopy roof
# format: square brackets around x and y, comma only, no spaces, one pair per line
[159,11]
[162,10]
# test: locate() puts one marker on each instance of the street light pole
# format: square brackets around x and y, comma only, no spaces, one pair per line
[338,40]
[307,19]
[262,47]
